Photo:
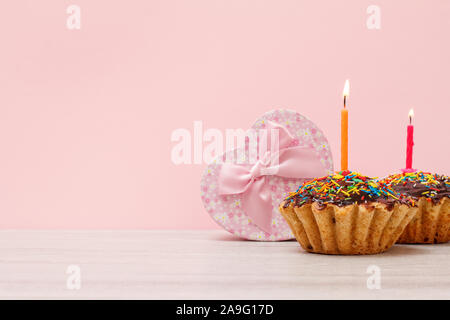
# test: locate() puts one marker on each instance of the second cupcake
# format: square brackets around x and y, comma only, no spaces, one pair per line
[431,192]
[347,213]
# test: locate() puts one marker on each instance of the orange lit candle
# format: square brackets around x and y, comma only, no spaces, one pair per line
[344,129]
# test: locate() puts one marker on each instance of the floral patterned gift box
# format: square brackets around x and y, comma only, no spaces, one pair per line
[241,189]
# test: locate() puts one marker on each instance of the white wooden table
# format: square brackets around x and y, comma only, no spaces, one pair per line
[207,265]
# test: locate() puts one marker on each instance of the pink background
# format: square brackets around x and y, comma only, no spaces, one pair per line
[86,115]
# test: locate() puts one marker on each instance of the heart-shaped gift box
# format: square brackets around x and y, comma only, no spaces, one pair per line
[243,194]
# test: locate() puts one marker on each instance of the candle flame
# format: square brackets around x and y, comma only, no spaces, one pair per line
[346,91]
[411,113]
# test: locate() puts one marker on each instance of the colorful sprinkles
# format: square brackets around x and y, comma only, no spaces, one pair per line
[345,188]
[420,184]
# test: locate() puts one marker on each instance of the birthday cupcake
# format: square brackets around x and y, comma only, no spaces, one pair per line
[347,213]
[431,192]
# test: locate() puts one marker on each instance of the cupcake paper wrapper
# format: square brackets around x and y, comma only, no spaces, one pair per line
[430,225]
[353,229]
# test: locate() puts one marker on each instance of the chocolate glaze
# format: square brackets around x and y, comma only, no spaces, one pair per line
[365,197]
[341,202]
[417,190]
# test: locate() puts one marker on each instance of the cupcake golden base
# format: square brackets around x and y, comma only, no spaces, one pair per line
[353,229]
[347,213]
[430,225]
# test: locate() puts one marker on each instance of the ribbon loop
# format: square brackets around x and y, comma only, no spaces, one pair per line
[288,162]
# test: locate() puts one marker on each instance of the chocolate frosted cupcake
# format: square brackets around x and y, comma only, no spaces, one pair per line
[347,213]
[431,193]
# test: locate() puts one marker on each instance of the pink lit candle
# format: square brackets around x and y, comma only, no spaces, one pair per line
[409,144]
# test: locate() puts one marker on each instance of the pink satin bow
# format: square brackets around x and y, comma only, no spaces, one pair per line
[251,182]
